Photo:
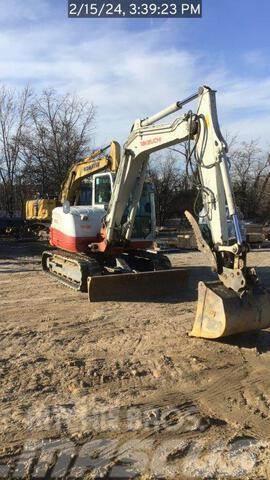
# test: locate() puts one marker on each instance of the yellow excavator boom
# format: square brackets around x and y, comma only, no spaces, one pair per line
[93,164]
[41,209]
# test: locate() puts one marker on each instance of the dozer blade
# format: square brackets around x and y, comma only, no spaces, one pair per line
[221,312]
[137,286]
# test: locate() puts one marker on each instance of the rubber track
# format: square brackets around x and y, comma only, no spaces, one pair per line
[83,262]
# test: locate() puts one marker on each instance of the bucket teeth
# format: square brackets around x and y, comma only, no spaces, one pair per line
[221,312]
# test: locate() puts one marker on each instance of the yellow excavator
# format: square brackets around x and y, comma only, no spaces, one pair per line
[38,211]
[97,162]
[95,248]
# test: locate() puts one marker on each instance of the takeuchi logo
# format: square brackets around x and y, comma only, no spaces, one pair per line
[151,141]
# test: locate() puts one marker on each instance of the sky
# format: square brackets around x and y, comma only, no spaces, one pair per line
[132,68]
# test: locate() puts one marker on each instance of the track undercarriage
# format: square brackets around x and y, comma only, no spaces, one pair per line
[134,274]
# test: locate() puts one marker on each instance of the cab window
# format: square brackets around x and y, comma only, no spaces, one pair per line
[84,195]
[102,190]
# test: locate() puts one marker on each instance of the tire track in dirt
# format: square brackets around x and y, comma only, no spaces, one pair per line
[66,362]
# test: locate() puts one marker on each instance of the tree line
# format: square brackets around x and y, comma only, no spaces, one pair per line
[42,135]
[176,188]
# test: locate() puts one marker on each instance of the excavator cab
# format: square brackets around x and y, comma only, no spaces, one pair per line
[145,218]
[102,189]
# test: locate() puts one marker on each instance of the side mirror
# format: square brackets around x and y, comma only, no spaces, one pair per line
[66,206]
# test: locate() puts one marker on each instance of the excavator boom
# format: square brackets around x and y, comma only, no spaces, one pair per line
[95,163]
[237,303]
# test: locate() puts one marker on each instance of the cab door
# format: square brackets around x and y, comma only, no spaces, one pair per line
[102,190]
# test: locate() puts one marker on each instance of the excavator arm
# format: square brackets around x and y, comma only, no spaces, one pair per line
[234,303]
[95,163]
[212,163]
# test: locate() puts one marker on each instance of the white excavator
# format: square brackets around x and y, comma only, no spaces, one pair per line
[116,267]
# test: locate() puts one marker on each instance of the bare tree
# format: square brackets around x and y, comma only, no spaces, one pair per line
[60,135]
[14,117]
[177,186]
[250,169]
[173,191]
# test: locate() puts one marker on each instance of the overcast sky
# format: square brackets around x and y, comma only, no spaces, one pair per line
[133,68]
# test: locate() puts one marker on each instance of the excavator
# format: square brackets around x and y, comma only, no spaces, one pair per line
[40,209]
[111,265]
[98,161]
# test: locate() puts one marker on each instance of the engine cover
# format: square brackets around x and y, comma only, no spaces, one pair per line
[74,231]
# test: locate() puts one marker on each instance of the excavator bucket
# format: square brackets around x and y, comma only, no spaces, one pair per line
[221,312]
[137,286]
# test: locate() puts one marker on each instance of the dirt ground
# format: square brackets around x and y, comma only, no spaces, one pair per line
[118,390]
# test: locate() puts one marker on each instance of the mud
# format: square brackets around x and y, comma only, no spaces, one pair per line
[118,390]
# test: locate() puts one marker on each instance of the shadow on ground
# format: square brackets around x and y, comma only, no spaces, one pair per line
[13,249]
[259,340]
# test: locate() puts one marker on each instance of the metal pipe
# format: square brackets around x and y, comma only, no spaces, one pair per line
[169,110]
[190,98]
[230,198]
[237,228]
[227,185]
[163,113]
